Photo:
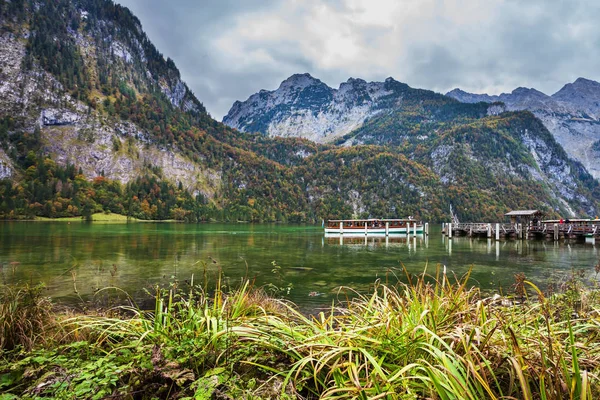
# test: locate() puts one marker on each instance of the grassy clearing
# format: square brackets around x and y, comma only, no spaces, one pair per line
[97,217]
[432,338]
[102,217]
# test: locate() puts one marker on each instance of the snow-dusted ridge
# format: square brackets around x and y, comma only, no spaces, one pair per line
[303,106]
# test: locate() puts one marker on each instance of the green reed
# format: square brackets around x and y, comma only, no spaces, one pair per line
[432,337]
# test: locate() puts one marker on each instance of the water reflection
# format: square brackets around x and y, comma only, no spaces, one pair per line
[377,240]
[136,256]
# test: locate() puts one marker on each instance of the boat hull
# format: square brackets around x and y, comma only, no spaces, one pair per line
[375,231]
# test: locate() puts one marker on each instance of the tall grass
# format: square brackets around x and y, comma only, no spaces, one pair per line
[434,339]
[430,338]
[24,315]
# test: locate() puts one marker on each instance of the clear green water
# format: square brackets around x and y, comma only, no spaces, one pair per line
[81,256]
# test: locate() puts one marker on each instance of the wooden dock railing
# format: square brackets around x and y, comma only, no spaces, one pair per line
[497,230]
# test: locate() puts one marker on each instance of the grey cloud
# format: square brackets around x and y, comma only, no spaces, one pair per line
[183,30]
[433,67]
[533,43]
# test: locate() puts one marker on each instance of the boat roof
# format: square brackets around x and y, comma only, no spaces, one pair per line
[523,213]
[372,220]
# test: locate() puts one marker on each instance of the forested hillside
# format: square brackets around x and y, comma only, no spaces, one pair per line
[93,118]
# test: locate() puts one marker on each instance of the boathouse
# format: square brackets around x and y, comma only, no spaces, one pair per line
[525,217]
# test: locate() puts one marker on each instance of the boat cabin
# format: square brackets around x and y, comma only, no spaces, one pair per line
[525,217]
[369,223]
[374,226]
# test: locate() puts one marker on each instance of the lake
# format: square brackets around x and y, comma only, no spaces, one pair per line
[75,260]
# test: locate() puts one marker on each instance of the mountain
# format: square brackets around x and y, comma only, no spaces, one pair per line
[68,61]
[93,118]
[572,115]
[469,142]
[303,106]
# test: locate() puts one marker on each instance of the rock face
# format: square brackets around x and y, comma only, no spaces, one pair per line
[51,116]
[119,151]
[6,168]
[572,115]
[304,106]
[582,95]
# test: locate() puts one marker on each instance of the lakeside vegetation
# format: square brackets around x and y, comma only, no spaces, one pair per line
[432,337]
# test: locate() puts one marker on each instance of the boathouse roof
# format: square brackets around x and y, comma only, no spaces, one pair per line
[521,213]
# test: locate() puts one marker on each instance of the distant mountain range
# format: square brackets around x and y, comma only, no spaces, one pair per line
[467,139]
[572,115]
[304,106]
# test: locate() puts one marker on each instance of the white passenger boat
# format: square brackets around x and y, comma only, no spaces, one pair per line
[374,226]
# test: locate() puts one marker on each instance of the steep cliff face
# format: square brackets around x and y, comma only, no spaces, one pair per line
[7,170]
[120,151]
[572,115]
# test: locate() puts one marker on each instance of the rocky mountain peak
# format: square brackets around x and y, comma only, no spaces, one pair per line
[529,92]
[305,106]
[581,95]
[581,87]
[352,85]
[457,92]
[298,82]
[586,82]
[466,97]
[356,81]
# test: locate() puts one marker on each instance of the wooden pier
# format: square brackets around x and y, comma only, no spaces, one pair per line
[525,225]
[484,229]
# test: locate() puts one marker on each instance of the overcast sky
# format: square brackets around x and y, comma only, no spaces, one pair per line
[227,50]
